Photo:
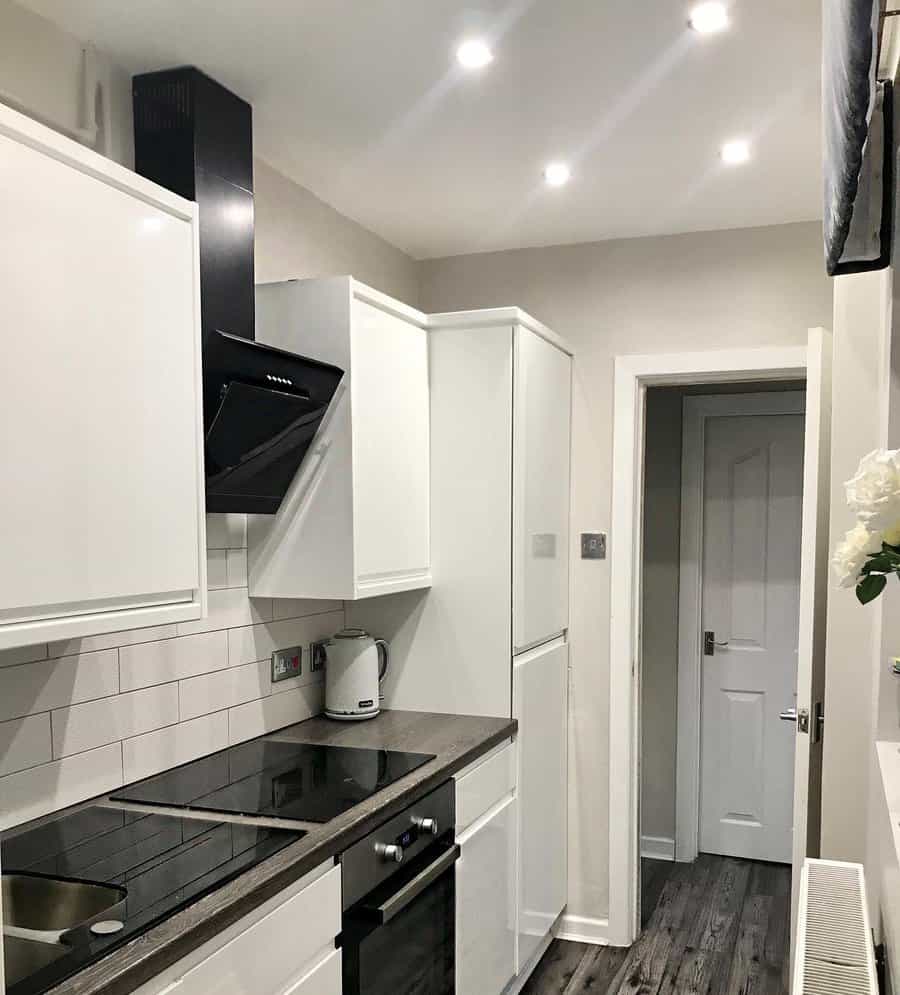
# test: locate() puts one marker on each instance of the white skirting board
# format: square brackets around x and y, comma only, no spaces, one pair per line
[658,847]
[581,929]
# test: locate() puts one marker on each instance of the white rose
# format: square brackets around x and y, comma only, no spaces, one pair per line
[892,535]
[851,555]
[874,493]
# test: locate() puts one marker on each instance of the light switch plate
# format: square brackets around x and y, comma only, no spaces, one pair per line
[593,545]
[287,663]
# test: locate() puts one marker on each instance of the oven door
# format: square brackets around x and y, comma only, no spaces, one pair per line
[401,938]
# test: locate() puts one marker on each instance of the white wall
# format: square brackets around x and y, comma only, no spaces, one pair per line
[858,426]
[764,286]
[41,73]
[298,235]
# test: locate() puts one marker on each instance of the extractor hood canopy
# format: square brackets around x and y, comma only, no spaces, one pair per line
[262,406]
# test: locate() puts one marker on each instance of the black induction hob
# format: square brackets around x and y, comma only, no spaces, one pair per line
[277,779]
[161,863]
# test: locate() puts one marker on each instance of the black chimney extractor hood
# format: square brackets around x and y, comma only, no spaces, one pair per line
[261,406]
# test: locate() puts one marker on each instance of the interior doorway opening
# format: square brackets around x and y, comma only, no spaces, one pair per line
[720,561]
[635,376]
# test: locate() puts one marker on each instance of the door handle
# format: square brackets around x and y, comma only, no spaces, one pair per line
[710,643]
[801,718]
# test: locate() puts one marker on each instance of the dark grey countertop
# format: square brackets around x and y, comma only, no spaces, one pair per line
[456,741]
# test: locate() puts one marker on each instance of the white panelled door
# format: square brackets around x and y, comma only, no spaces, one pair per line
[752,511]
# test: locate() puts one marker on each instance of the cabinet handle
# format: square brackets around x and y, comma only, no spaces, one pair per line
[412,889]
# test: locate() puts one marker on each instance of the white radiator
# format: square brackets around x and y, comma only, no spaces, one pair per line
[834,953]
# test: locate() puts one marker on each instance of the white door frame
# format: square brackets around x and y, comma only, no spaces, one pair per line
[634,374]
[697,412]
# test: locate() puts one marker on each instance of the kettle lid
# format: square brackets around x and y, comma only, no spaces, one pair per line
[352,633]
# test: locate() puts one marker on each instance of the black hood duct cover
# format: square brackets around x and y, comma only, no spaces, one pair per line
[261,406]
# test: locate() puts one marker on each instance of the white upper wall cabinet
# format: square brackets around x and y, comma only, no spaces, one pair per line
[355,522]
[101,510]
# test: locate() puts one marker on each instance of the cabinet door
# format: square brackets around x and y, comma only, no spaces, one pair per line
[324,979]
[99,399]
[541,433]
[389,387]
[486,904]
[540,682]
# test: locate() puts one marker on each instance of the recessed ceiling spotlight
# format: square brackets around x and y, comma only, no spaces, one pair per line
[474,54]
[736,152]
[708,18]
[557,174]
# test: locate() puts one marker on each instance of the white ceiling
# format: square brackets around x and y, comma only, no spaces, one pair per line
[362,102]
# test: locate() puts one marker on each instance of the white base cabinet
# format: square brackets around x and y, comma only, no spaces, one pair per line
[356,520]
[540,694]
[486,876]
[286,947]
[102,522]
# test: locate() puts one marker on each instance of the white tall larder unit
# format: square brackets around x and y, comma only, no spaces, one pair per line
[491,637]
[102,519]
[355,522]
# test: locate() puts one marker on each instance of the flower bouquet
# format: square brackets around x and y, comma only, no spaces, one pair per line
[870,552]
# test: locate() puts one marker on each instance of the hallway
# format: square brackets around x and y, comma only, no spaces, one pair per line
[719,926]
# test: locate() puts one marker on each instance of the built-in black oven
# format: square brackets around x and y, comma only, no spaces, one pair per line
[399,898]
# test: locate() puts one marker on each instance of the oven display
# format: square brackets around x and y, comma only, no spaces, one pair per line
[408,837]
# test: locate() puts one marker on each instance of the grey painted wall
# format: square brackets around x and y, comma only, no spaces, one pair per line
[716,290]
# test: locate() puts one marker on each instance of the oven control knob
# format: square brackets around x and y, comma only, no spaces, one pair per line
[426,825]
[389,852]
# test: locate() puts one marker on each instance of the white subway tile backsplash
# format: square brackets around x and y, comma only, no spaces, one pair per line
[229,608]
[83,727]
[217,569]
[237,567]
[37,687]
[278,710]
[25,743]
[172,659]
[257,642]
[214,692]
[22,654]
[152,752]
[226,531]
[111,640]
[301,607]
[40,790]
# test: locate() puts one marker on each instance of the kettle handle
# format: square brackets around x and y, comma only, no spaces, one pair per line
[384,657]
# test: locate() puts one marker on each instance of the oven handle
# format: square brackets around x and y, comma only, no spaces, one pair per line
[383,913]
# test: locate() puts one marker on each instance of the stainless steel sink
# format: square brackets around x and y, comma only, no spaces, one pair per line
[22,957]
[56,905]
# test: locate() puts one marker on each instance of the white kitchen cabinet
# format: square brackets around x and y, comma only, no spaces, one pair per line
[102,513]
[543,401]
[286,947]
[500,436]
[486,876]
[540,683]
[500,428]
[356,521]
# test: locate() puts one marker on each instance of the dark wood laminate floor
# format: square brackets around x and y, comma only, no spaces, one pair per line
[719,926]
